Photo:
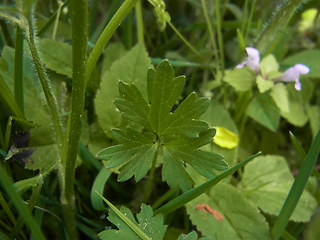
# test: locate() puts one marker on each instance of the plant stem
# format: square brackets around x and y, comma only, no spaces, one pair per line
[183,39]
[107,34]
[44,81]
[219,33]
[18,69]
[211,33]
[56,22]
[139,18]
[151,176]
[79,18]
[283,14]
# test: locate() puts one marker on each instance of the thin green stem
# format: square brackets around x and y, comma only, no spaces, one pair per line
[56,22]
[79,20]
[183,39]
[139,18]
[45,84]
[249,21]
[219,33]
[244,16]
[107,34]
[18,69]
[211,33]
[50,21]
[151,176]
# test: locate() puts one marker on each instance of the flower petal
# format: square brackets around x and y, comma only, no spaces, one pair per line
[301,68]
[298,85]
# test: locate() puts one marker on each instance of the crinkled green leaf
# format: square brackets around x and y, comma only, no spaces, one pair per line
[241,79]
[268,65]
[266,182]
[56,55]
[228,215]
[174,136]
[263,84]
[149,224]
[296,114]
[132,67]
[279,95]
[263,110]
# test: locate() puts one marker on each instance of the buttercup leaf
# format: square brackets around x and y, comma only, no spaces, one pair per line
[173,136]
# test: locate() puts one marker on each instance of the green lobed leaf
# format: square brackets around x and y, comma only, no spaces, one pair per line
[266,182]
[241,79]
[151,225]
[173,136]
[263,110]
[135,62]
[132,105]
[163,91]
[229,216]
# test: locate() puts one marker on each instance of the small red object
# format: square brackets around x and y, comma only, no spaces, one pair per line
[208,209]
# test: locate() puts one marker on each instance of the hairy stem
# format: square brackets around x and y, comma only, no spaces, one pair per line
[18,69]
[279,20]
[45,84]
[79,18]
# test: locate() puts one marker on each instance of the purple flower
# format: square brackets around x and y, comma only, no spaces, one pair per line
[292,75]
[252,61]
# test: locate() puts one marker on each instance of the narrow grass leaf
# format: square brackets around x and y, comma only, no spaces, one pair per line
[297,189]
[130,224]
[98,186]
[195,192]
[301,152]
[17,201]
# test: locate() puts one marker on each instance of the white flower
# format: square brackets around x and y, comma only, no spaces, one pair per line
[252,61]
[293,74]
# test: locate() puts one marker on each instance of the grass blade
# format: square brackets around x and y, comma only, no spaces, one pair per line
[17,201]
[98,186]
[297,189]
[125,219]
[301,152]
[195,192]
